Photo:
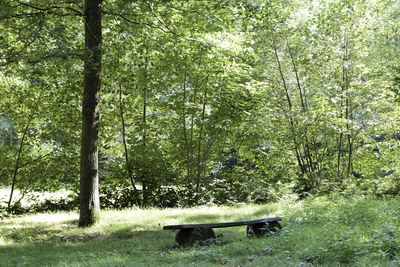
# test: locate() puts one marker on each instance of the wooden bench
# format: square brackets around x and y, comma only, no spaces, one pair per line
[189,234]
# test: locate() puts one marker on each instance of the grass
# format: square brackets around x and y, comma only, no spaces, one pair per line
[326,231]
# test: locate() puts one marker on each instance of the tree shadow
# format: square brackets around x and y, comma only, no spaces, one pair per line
[40,244]
[37,246]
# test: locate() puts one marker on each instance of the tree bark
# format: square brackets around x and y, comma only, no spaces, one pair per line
[89,183]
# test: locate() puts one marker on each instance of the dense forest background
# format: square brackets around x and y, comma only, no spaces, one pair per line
[204,101]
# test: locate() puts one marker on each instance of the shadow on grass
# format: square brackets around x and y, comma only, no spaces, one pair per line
[53,247]
[131,244]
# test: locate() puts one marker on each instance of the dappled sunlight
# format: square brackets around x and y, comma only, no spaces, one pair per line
[333,227]
[45,218]
[154,218]
[217,214]
[3,242]
[32,197]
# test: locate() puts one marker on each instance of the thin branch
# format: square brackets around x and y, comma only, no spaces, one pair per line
[17,58]
[35,160]
[164,30]
[122,16]
[50,8]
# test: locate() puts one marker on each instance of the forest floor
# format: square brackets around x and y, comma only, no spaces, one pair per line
[336,230]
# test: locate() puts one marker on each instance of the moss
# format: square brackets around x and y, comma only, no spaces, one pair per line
[89,218]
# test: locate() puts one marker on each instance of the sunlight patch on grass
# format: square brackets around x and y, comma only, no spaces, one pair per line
[47,218]
[3,242]
[12,226]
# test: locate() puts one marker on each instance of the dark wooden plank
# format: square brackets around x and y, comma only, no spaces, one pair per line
[221,225]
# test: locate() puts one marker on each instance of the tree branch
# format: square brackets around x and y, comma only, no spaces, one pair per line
[35,160]
[49,8]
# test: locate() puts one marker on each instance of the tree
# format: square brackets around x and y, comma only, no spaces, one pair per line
[89,184]
[32,85]
[198,98]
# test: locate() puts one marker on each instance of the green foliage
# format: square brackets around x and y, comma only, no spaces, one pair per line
[112,198]
[303,91]
[34,203]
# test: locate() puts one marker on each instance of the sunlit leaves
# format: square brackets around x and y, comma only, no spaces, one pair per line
[194,78]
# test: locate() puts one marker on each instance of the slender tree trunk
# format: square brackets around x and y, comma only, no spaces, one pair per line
[191,140]
[302,101]
[200,163]
[340,142]
[145,175]
[128,167]
[89,182]
[303,108]
[17,162]
[24,192]
[191,170]
[348,114]
[19,152]
[293,130]
[188,165]
[340,139]
[344,103]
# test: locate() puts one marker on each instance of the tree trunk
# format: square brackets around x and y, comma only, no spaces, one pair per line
[289,117]
[89,183]
[348,113]
[302,95]
[188,164]
[19,152]
[17,162]
[200,163]
[128,166]
[145,174]
[344,104]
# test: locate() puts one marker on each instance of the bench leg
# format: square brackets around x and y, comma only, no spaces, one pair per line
[189,236]
[257,230]
[262,229]
[274,226]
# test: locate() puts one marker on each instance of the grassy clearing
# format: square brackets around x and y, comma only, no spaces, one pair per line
[327,231]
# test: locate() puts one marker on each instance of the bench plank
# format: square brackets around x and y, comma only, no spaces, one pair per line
[222,225]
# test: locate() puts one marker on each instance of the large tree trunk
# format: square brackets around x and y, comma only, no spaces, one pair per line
[89,185]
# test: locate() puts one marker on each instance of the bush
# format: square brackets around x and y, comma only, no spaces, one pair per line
[111,197]
[56,205]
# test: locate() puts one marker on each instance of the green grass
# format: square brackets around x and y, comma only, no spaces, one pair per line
[326,231]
